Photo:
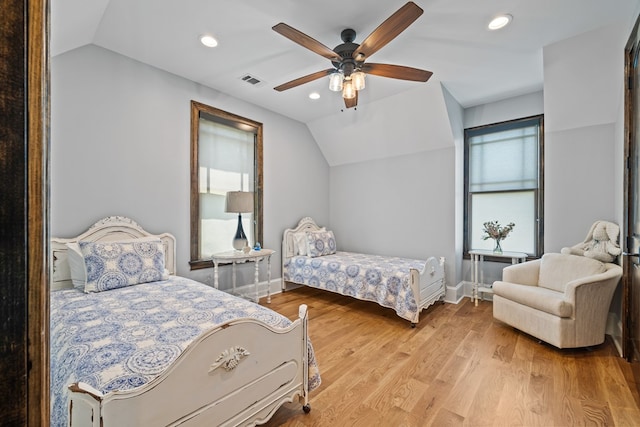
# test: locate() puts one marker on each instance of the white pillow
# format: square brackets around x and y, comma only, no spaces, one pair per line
[320,243]
[76,265]
[300,243]
[300,246]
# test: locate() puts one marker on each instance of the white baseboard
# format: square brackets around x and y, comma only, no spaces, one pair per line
[463,290]
[455,294]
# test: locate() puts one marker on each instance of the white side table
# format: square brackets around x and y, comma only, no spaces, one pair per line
[237,257]
[477,259]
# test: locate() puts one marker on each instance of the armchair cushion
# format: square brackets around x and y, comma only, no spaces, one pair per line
[556,270]
[543,299]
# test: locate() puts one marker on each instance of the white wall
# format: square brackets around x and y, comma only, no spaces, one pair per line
[583,97]
[508,109]
[400,206]
[408,122]
[583,79]
[120,145]
[456,121]
[580,183]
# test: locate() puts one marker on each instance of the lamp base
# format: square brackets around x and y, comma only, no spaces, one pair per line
[240,239]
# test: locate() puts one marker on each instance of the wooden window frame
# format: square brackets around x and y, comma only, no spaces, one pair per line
[196,262]
[539,192]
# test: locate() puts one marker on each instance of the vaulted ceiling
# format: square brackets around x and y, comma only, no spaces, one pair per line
[450,38]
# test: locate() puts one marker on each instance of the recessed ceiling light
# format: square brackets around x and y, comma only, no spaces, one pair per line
[314,95]
[208,41]
[500,21]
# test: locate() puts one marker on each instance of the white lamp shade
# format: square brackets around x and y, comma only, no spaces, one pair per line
[239,201]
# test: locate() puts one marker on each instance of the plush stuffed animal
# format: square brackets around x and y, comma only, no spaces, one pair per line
[601,243]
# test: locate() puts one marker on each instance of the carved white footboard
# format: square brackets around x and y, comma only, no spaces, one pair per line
[428,285]
[237,374]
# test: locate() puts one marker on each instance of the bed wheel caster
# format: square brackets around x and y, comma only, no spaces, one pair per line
[413,325]
[306,408]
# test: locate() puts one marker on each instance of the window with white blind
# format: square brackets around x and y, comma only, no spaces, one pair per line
[226,155]
[503,182]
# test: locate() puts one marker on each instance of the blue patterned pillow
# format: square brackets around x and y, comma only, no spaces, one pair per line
[321,243]
[112,265]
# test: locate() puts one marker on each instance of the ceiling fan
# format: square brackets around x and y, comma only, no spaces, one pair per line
[348,59]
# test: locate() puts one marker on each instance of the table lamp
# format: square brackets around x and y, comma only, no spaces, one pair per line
[239,202]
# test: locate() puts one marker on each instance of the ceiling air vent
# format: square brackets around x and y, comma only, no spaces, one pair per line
[253,80]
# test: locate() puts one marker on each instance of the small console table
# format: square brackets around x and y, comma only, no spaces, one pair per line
[238,257]
[477,266]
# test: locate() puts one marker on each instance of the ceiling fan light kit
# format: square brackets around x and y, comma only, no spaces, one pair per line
[348,59]
[348,90]
[358,80]
[335,81]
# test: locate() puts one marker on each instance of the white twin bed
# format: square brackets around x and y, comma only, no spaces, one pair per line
[309,257]
[134,345]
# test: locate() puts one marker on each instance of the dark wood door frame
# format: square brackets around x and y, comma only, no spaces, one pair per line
[24,217]
[630,310]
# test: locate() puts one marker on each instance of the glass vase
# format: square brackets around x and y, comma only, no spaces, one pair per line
[497,249]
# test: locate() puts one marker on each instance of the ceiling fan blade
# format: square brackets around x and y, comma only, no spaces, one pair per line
[305,41]
[388,30]
[397,72]
[305,79]
[352,102]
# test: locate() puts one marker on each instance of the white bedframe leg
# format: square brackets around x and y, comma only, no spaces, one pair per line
[302,315]
[85,409]
[256,279]
[269,279]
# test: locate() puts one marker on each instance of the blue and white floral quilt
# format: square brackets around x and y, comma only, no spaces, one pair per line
[381,279]
[123,338]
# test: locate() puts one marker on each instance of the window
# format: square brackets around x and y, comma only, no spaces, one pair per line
[504,183]
[226,155]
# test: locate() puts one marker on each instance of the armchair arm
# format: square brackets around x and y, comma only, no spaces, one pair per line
[599,287]
[591,298]
[526,273]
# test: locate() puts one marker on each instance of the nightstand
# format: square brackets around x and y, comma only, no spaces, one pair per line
[238,257]
[477,266]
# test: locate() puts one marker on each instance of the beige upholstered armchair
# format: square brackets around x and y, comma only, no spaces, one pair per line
[561,299]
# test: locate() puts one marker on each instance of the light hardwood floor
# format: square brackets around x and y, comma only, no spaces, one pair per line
[459,366]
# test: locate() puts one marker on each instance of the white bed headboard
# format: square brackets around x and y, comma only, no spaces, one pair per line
[109,229]
[288,246]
